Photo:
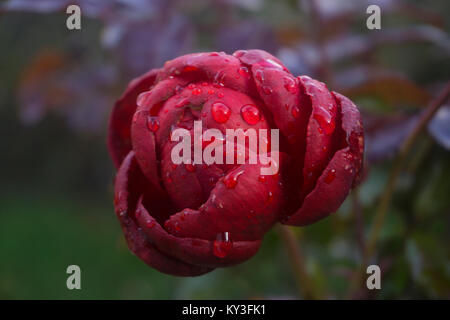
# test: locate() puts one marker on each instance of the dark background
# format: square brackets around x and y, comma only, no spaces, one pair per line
[57,88]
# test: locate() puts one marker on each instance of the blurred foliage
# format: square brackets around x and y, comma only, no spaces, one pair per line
[57,87]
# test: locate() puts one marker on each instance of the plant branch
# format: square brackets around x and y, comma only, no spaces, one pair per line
[297,261]
[383,206]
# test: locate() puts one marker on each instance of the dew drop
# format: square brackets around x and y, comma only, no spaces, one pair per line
[222,245]
[122,213]
[220,112]
[190,69]
[262,178]
[135,117]
[231,179]
[211,91]
[243,71]
[267,90]
[196,91]
[182,103]
[250,114]
[153,124]
[290,85]
[220,94]
[259,75]
[324,120]
[330,176]
[150,224]
[189,167]
[295,112]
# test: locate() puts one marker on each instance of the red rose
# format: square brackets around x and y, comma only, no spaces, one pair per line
[187,219]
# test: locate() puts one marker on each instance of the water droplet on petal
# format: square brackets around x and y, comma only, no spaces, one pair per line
[220,112]
[123,213]
[250,114]
[290,85]
[330,176]
[190,69]
[189,167]
[196,91]
[267,90]
[270,196]
[220,94]
[231,179]
[211,91]
[153,124]
[323,118]
[259,75]
[243,71]
[262,178]
[295,112]
[150,224]
[135,117]
[222,245]
[182,103]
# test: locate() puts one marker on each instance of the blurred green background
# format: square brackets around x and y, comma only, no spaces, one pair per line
[57,88]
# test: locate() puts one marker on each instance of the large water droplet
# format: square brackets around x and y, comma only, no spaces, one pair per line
[153,124]
[330,176]
[150,224]
[168,177]
[196,91]
[295,112]
[323,118]
[243,71]
[190,69]
[250,114]
[290,85]
[182,103]
[231,179]
[220,112]
[259,75]
[267,90]
[222,245]
[262,178]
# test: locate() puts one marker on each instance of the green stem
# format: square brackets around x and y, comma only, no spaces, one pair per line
[297,260]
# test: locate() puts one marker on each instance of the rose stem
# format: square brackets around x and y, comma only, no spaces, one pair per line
[297,260]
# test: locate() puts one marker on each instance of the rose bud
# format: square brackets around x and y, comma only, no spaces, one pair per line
[188,197]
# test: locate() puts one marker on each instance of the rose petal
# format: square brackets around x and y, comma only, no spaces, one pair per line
[337,179]
[127,180]
[246,209]
[119,136]
[194,251]
[320,133]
